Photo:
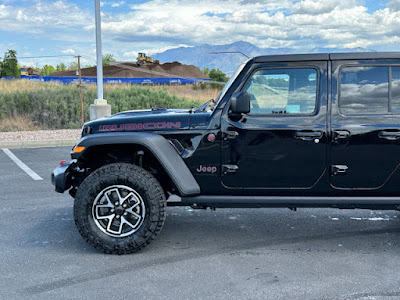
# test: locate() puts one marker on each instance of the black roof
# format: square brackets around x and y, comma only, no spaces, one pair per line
[328,56]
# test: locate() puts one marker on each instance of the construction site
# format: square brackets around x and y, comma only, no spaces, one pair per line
[144,66]
[127,69]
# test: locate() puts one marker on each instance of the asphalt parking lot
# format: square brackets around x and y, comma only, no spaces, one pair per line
[222,254]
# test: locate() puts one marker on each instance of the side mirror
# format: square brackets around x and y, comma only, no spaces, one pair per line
[240,103]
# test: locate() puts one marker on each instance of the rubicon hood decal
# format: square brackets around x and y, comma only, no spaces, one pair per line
[140,126]
[169,120]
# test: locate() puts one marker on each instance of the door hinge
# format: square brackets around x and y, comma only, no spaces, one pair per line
[339,169]
[229,169]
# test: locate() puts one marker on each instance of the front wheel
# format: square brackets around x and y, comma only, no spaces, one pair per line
[120,208]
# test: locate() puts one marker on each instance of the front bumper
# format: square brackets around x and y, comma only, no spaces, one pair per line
[61,176]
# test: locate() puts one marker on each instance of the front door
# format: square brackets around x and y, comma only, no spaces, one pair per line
[282,142]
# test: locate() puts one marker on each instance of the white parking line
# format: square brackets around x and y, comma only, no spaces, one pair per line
[23,166]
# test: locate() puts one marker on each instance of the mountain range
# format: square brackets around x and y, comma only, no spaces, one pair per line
[203,56]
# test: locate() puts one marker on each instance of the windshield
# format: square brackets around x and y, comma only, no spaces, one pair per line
[228,84]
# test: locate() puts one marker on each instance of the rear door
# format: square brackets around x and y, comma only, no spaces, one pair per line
[365,124]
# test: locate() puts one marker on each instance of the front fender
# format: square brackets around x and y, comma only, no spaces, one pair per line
[162,150]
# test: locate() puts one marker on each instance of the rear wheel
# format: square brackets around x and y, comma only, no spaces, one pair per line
[120,208]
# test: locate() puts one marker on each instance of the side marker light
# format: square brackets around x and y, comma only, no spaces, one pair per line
[79,149]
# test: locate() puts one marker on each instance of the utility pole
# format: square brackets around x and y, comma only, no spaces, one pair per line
[80,89]
[100,108]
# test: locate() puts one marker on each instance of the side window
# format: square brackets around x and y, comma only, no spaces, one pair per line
[364,90]
[395,90]
[283,91]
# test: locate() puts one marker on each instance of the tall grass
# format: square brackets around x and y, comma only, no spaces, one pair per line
[17,123]
[23,85]
[189,92]
[56,106]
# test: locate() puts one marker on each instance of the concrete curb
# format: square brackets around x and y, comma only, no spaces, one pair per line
[37,144]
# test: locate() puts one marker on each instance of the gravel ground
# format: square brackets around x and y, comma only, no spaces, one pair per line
[40,135]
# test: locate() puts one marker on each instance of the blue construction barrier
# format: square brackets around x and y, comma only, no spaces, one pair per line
[116,80]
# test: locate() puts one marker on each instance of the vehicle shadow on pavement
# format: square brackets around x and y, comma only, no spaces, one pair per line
[231,230]
[195,235]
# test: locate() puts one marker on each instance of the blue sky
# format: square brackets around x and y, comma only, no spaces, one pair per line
[66,27]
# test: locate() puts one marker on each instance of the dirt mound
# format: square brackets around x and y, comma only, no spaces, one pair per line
[174,69]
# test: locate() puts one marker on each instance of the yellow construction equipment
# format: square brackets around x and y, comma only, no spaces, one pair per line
[143,59]
[24,71]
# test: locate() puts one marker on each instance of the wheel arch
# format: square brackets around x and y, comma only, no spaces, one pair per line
[159,148]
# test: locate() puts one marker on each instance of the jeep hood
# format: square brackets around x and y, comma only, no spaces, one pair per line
[148,120]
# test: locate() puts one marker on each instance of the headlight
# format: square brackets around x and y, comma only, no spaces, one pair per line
[86,129]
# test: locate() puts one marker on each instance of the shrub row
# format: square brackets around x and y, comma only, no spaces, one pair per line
[60,107]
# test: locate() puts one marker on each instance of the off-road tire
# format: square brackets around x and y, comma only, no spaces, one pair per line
[120,174]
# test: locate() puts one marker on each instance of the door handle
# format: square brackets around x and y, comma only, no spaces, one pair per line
[341,134]
[308,135]
[339,169]
[229,169]
[389,135]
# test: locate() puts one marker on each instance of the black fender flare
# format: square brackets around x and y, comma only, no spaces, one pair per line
[159,146]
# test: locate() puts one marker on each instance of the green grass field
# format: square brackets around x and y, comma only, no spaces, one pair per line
[26,105]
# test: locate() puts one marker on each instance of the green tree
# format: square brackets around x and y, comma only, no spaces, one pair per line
[10,64]
[218,75]
[61,67]
[73,66]
[206,71]
[47,70]
[108,59]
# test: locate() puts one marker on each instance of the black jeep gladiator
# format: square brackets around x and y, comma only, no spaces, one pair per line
[312,130]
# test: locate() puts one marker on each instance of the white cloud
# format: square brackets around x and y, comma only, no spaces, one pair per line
[394,4]
[28,64]
[157,25]
[68,51]
[298,24]
[117,4]
[112,4]
[311,7]
[38,16]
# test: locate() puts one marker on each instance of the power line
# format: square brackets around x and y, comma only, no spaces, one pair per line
[238,52]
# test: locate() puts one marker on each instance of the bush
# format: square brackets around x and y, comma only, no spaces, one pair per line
[60,107]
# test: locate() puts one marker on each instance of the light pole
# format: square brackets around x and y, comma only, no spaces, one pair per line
[99,53]
[100,108]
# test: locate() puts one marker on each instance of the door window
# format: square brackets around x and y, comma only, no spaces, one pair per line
[395,90]
[283,91]
[370,90]
[364,90]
